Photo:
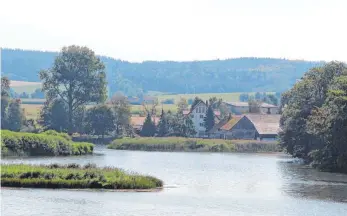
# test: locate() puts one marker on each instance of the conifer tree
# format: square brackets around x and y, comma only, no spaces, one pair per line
[209,119]
[148,128]
[163,127]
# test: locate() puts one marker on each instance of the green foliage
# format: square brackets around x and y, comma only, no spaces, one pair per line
[73,176]
[271,99]
[163,125]
[99,120]
[122,113]
[77,77]
[195,102]
[148,128]
[15,116]
[54,116]
[182,105]
[254,106]
[314,120]
[5,99]
[209,120]
[192,144]
[38,94]
[55,133]
[230,75]
[49,144]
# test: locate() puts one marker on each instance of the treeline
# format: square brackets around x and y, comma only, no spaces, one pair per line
[231,75]
[38,94]
[314,119]
[262,97]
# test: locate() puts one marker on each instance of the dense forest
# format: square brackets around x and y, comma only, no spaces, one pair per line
[213,76]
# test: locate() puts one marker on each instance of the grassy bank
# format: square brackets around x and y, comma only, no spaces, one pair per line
[73,176]
[49,143]
[192,144]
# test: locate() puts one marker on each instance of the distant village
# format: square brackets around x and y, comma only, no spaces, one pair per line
[240,124]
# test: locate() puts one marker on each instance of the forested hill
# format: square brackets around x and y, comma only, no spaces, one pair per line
[213,76]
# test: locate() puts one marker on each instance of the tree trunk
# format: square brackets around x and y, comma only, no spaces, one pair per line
[70,100]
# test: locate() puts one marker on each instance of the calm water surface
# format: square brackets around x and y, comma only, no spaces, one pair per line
[195,184]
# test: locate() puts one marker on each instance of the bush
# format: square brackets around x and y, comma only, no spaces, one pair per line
[48,143]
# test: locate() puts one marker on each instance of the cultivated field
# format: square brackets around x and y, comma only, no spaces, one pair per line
[22,86]
[32,111]
[234,97]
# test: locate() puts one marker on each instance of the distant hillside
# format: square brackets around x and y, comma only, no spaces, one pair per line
[213,76]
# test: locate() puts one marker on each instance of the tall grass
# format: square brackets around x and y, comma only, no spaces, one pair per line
[73,176]
[48,144]
[192,144]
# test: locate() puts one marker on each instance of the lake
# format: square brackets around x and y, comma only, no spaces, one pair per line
[195,184]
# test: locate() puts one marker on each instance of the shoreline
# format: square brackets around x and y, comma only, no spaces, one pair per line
[152,190]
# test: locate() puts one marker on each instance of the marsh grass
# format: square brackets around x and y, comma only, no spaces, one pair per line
[47,144]
[192,145]
[73,176]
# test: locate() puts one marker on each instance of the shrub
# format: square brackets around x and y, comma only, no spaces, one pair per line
[48,143]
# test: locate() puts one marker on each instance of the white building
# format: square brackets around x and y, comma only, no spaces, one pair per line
[198,113]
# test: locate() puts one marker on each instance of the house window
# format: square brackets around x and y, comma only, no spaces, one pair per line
[201,116]
[197,110]
[201,124]
[192,116]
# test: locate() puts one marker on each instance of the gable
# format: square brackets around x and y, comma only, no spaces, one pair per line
[244,123]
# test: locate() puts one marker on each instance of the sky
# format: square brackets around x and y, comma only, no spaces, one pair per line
[180,30]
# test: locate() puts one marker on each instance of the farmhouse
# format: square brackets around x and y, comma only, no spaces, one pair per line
[239,108]
[198,113]
[252,126]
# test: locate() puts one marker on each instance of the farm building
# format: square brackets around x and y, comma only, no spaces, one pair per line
[198,113]
[252,126]
[239,108]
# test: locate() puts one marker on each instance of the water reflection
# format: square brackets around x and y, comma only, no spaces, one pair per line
[302,181]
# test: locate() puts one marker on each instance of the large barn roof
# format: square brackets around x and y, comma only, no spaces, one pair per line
[265,124]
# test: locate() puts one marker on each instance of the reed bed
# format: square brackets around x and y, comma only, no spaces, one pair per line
[74,176]
[48,144]
[193,144]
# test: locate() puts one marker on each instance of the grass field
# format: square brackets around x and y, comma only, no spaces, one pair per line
[32,111]
[234,97]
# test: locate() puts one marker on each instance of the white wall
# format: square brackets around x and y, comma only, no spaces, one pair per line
[199,110]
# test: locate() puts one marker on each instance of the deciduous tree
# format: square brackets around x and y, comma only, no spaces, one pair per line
[77,77]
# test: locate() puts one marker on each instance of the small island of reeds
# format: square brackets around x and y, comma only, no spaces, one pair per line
[176,144]
[74,176]
[49,143]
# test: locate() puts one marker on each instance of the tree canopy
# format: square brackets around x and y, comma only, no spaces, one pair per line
[314,117]
[77,77]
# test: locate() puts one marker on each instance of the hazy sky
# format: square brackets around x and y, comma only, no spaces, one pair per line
[137,30]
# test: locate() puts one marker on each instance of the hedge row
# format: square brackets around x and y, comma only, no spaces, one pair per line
[192,144]
[47,143]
